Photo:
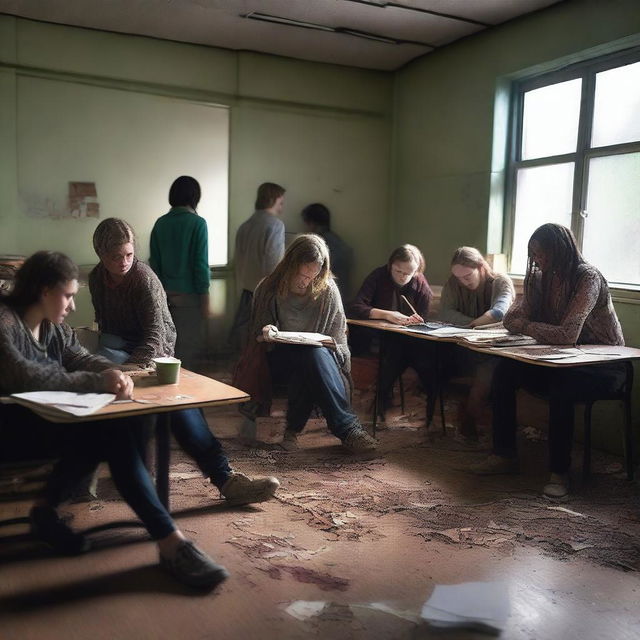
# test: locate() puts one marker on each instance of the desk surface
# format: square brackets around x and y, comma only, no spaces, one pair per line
[192,391]
[589,354]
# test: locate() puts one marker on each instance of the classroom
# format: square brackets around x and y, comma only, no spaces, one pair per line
[408,121]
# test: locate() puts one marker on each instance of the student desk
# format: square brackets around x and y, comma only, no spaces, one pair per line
[192,391]
[590,354]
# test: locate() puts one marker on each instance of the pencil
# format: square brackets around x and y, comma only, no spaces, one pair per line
[409,305]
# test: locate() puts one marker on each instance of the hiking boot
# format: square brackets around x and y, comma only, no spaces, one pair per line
[47,527]
[359,441]
[290,441]
[193,567]
[558,486]
[240,489]
[495,465]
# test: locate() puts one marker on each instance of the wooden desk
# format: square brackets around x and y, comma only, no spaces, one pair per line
[590,354]
[191,392]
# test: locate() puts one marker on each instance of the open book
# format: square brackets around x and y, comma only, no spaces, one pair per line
[301,337]
[62,404]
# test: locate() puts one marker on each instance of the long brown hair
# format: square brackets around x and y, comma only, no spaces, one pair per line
[564,260]
[307,248]
[407,253]
[470,257]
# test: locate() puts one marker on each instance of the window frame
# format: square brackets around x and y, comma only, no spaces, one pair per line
[585,70]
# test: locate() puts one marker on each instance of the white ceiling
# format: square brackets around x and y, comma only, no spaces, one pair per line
[415,27]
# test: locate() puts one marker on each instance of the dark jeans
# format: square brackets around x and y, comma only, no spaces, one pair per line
[400,352]
[313,377]
[563,387]
[191,431]
[80,447]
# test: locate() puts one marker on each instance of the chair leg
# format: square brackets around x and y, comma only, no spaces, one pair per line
[628,438]
[586,460]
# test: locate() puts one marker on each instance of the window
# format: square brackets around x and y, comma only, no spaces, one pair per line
[575,160]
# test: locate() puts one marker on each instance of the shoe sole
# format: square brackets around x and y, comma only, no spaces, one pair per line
[200,583]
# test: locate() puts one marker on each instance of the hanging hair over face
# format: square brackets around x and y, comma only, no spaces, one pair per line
[407,253]
[470,257]
[110,234]
[185,192]
[307,248]
[562,259]
[43,270]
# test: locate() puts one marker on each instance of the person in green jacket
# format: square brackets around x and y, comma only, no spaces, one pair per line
[180,258]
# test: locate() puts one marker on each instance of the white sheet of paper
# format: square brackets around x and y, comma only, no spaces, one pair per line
[77,404]
[486,603]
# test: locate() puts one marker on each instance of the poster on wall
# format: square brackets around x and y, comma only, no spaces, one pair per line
[82,202]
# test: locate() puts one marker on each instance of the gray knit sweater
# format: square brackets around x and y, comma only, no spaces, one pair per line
[57,362]
[322,315]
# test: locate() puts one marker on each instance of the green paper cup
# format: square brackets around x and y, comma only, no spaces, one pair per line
[168,370]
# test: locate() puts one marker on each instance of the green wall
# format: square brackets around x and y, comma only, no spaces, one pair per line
[322,131]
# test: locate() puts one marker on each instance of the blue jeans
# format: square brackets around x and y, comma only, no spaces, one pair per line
[313,377]
[191,431]
[80,448]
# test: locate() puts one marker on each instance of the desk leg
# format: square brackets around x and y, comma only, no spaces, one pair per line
[376,395]
[163,457]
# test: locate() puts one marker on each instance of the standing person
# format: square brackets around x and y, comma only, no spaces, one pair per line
[474,296]
[40,352]
[131,309]
[180,258]
[383,296]
[259,248]
[566,301]
[317,219]
[300,295]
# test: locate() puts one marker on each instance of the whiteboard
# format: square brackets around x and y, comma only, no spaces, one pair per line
[131,145]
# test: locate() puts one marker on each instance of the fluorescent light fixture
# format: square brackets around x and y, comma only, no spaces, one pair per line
[291,22]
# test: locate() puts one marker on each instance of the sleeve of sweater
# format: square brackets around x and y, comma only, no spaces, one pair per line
[581,304]
[150,298]
[423,297]
[19,373]
[201,276]
[361,307]
[273,246]
[449,309]
[338,327]
[263,310]
[502,296]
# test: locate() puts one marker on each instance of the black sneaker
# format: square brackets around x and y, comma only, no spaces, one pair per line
[47,527]
[193,567]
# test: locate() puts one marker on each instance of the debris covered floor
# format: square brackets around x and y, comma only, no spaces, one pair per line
[346,533]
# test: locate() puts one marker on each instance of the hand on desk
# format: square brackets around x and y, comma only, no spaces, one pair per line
[396,317]
[117,382]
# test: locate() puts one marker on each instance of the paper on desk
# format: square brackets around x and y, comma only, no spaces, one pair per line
[478,605]
[66,402]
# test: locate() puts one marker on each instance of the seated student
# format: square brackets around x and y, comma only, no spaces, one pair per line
[39,351]
[131,309]
[317,219]
[382,297]
[566,301]
[474,296]
[300,295]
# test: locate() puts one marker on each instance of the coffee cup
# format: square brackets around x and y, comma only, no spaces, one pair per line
[167,370]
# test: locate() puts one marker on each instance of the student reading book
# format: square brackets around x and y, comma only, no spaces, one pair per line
[300,295]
